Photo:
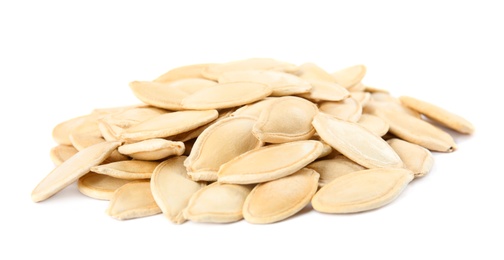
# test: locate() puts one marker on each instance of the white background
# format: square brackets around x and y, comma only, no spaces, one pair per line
[60,59]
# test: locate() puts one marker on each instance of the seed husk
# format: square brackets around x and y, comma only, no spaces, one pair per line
[350,76]
[286,119]
[172,188]
[152,149]
[374,124]
[416,158]
[169,124]
[217,203]
[183,72]
[356,142]
[215,146]
[310,71]
[157,94]
[279,199]
[226,95]
[331,169]
[72,169]
[214,71]
[130,170]
[270,162]
[348,109]
[254,109]
[439,114]
[133,200]
[362,190]
[99,186]
[61,153]
[325,91]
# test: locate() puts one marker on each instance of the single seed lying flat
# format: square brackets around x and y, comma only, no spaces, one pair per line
[356,142]
[310,71]
[133,116]
[152,149]
[61,153]
[133,200]
[169,124]
[61,132]
[374,124]
[130,170]
[331,169]
[282,84]
[216,146]
[325,91]
[439,114]
[226,95]
[416,158]
[348,109]
[286,119]
[183,72]
[270,162]
[361,97]
[214,71]
[362,190]
[255,109]
[158,94]
[172,188]
[99,186]
[281,198]
[72,169]
[350,76]
[217,203]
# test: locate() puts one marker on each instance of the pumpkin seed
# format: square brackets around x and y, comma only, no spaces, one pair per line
[130,170]
[348,109]
[214,71]
[99,186]
[374,124]
[325,91]
[350,76]
[133,200]
[310,71]
[416,158]
[331,169]
[61,153]
[152,149]
[183,72]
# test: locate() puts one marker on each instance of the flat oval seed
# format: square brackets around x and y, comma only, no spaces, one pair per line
[255,109]
[325,91]
[152,149]
[133,200]
[270,162]
[226,95]
[416,158]
[172,188]
[61,153]
[282,84]
[130,170]
[417,131]
[169,124]
[348,109]
[183,72]
[439,114]
[130,117]
[72,169]
[361,97]
[218,144]
[350,76]
[214,71]
[158,94]
[356,142]
[217,203]
[99,186]
[61,132]
[190,86]
[310,71]
[362,190]
[331,169]
[281,198]
[286,119]
[374,124]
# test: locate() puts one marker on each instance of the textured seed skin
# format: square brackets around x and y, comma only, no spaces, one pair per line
[133,200]
[362,190]
[331,169]
[99,186]
[416,158]
[350,76]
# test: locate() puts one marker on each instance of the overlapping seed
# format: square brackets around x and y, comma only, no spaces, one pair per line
[253,139]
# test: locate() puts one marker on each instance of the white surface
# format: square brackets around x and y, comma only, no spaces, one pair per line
[59,60]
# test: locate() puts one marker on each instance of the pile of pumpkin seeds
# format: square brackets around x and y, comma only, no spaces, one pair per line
[258,139]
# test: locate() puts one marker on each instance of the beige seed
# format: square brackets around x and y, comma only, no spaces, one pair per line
[183,72]
[325,91]
[133,116]
[361,97]
[226,95]
[152,149]
[356,142]
[282,84]
[99,186]
[169,124]
[61,153]
[270,162]
[439,114]
[192,134]
[72,169]
[350,76]
[220,143]
[348,109]
[417,131]
[130,170]
[416,158]
[190,86]
[331,169]
[310,71]
[172,188]
[61,132]
[217,203]
[255,109]
[281,198]
[157,94]
[133,200]
[286,119]
[362,190]
[359,87]
[374,124]
[214,71]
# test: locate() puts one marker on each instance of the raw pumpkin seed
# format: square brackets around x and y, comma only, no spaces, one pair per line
[133,200]
[99,186]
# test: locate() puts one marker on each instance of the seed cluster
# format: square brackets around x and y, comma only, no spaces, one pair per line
[258,139]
